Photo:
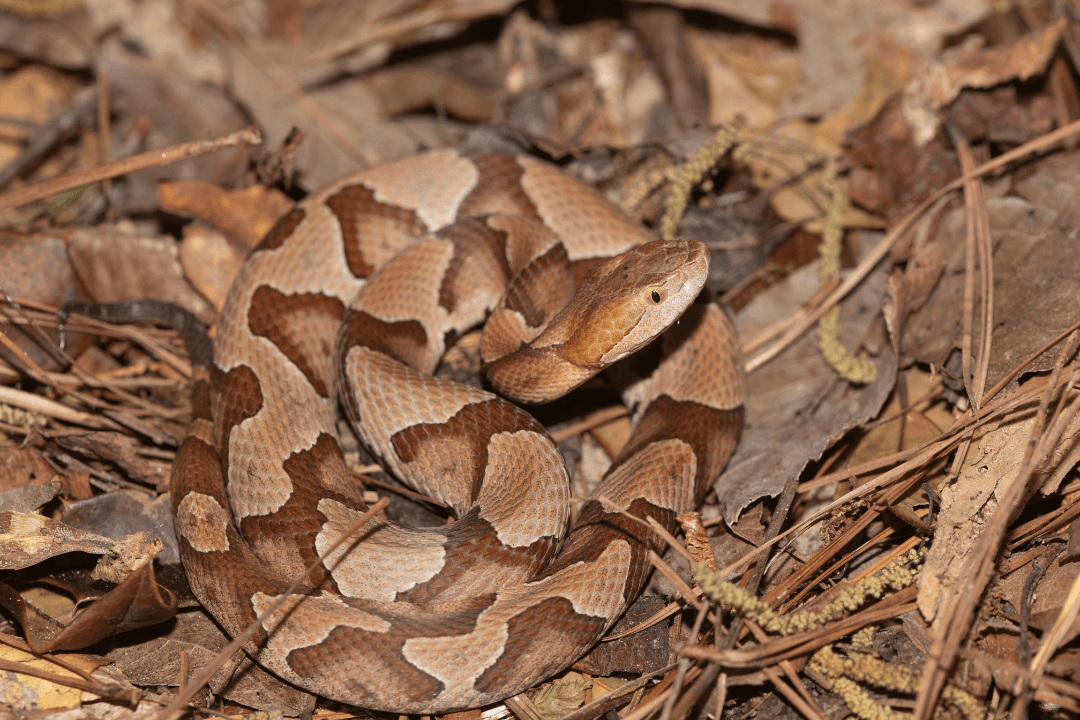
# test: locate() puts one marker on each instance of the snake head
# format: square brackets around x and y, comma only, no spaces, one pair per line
[626,301]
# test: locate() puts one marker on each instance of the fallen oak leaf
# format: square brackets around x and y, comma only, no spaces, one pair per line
[27,539]
[136,602]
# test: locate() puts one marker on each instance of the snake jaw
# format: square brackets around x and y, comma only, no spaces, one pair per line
[681,269]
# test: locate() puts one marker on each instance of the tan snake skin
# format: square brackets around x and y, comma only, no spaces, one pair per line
[348,301]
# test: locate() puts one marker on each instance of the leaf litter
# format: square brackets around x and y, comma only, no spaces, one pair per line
[126,172]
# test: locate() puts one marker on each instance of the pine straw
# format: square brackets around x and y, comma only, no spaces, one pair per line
[752,644]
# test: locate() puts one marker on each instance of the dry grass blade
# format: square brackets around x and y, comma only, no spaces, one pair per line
[38,404]
[403,491]
[659,696]
[39,315]
[669,538]
[35,371]
[956,610]
[594,419]
[146,339]
[523,707]
[922,456]
[103,127]
[898,231]
[798,697]
[94,686]
[684,666]
[917,458]
[979,255]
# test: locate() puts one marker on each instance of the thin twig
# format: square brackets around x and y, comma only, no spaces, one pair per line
[684,665]
[956,611]
[588,712]
[594,419]
[184,695]
[153,158]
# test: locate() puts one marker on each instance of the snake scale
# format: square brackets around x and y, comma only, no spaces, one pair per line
[349,302]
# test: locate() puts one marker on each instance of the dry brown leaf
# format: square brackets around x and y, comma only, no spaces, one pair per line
[152,657]
[1050,593]
[891,174]
[1036,283]
[28,498]
[23,465]
[26,540]
[33,93]
[994,458]
[969,65]
[245,215]
[156,107]
[559,697]
[115,263]
[158,30]
[210,261]
[64,42]
[350,132]
[797,407]
[137,601]
[120,514]
[730,91]
[31,693]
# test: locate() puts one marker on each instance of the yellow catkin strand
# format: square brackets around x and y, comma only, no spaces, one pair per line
[22,418]
[894,576]
[847,673]
[832,672]
[647,182]
[844,674]
[864,639]
[862,704]
[848,366]
[694,171]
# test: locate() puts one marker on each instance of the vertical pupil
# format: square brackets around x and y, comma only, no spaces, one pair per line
[655,296]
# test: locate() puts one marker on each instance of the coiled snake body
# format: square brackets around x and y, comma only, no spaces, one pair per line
[349,300]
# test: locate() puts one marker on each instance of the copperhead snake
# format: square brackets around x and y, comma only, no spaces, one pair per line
[384,266]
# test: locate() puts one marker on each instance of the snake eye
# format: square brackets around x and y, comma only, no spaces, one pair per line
[656,297]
